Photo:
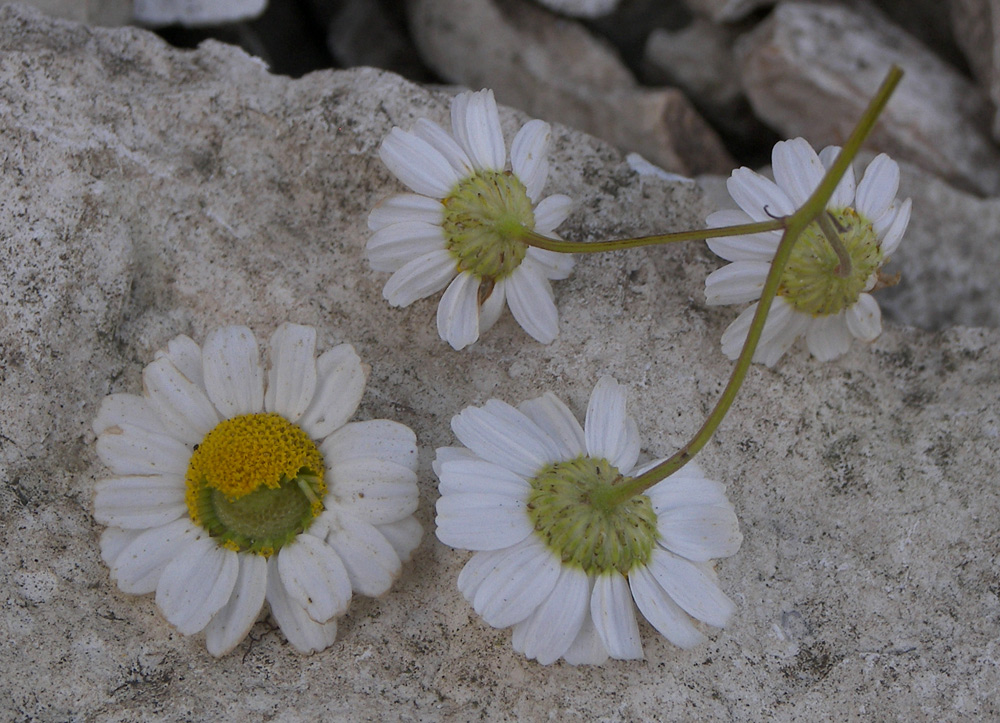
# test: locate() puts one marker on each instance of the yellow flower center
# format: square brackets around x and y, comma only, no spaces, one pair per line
[483,219]
[584,534]
[255,482]
[811,282]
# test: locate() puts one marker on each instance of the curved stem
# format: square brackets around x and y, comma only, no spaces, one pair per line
[814,206]
[582,247]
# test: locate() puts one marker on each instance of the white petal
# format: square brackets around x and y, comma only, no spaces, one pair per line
[291,381]
[420,278]
[139,502]
[340,383]
[758,196]
[587,649]
[375,490]
[377,438]
[780,332]
[607,426]
[443,455]
[529,296]
[314,577]
[755,247]
[797,169]
[418,164]
[555,418]
[548,633]
[185,411]
[232,623]
[686,486]
[505,586]
[551,212]
[113,542]
[475,122]
[691,588]
[196,584]
[184,354]
[662,612]
[138,567]
[736,283]
[894,234]
[458,311]
[491,515]
[492,307]
[478,477]
[878,187]
[371,562]
[552,264]
[614,617]
[843,195]
[405,208]
[700,532]
[736,333]
[499,433]
[444,144]
[392,247]
[130,409]
[234,378]
[529,156]
[864,319]
[404,535]
[727,217]
[304,633]
[128,450]
[828,337]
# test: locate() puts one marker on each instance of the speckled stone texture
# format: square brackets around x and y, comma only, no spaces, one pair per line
[148,192]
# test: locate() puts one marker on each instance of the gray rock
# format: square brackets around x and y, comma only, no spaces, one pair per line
[948,259]
[149,192]
[581,8]
[196,13]
[363,32]
[111,13]
[727,11]
[972,24]
[809,70]
[554,69]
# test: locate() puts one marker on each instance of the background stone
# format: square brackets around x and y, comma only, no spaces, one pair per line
[149,192]
[194,13]
[552,68]
[809,70]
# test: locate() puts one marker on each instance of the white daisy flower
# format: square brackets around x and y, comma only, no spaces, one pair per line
[230,489]
[555,562]
[461,227]
[813,299]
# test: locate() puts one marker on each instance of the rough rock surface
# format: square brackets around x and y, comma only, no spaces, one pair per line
[93,12]
[148,192]
[810,69]
[553,68]
[194,13]
[726,10]
[581,8]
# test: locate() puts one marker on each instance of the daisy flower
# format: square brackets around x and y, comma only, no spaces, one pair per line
[462,226]
[814,300]
[556,563]
[230,489]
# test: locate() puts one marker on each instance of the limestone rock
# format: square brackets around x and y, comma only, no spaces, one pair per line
[726,11]
[554,69]
[149,192]
[977,30]
[581,8]
[195,13]
[809,70]
[93,12]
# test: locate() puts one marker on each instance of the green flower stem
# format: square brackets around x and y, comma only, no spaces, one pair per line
[826,225]
[583,247]
[814,207]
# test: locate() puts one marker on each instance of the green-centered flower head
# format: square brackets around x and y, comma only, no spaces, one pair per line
[484,218]
[462,226]
[255,482]
[567,510]
[824,291]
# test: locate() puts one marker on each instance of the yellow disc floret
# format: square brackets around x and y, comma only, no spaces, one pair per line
[255,482]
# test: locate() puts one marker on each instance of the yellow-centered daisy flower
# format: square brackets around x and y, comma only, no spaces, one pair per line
[233,486]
